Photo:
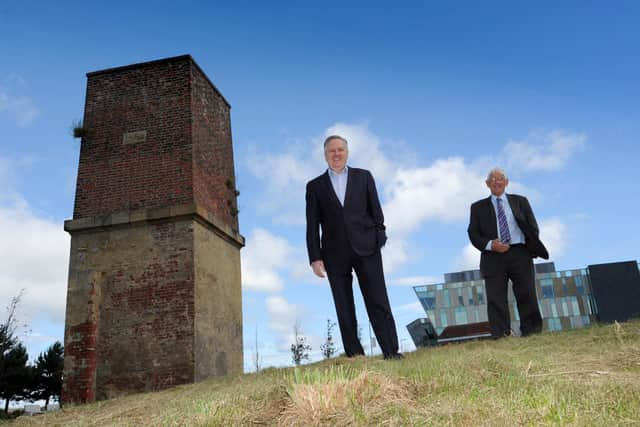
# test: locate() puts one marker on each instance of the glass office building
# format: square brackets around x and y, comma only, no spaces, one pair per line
[565,299]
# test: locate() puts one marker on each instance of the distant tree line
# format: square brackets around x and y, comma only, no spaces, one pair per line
[20,380]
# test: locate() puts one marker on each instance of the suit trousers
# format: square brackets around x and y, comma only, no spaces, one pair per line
[515,264]
[370,275]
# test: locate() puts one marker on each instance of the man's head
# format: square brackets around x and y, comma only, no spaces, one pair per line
[336,152]
[497,181]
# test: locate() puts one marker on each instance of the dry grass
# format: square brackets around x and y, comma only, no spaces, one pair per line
[369,396]
[576,378]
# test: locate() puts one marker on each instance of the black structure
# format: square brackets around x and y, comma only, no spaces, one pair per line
[423,333]
[616,288]
[470,331]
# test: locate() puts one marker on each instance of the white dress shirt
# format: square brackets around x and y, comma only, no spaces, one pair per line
[339,182]
[517,236]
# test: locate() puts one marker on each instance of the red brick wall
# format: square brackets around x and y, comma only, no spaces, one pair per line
[213,172]
[113,176]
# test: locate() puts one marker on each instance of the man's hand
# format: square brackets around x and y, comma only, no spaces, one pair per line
[498,246]
[318,268]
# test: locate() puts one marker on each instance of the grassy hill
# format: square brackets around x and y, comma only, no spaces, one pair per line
[580,377]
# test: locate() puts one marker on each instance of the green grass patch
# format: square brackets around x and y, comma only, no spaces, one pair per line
[583,377]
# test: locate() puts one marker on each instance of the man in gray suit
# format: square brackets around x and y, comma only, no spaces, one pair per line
[505,230]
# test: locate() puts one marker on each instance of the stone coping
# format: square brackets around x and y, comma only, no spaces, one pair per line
[196,211]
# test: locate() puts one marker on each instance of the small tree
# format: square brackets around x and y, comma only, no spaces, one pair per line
[48,374]
[300,348]
[15,375]
[257,357]
[328,348]
[8,327]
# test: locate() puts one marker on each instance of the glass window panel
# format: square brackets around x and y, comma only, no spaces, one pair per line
[443,318]
[576,308]
[461,316]
[471,314]
[544,308]
[446,301]
[579,285]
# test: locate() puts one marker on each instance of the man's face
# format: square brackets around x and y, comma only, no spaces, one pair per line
[336,154]
[497,182]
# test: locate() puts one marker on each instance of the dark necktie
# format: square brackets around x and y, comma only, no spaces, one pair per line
[505,236]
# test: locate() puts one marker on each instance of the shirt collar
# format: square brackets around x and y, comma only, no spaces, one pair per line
[495,198]
[337,174]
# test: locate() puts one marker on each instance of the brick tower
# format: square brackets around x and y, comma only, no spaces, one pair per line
[154,295]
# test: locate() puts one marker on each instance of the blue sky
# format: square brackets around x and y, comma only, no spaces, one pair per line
[430,96]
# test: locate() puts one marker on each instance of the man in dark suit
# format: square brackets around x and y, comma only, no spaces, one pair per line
[505,230]
[344,203]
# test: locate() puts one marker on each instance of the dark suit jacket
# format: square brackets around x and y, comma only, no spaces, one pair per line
[357,227]
[483,227]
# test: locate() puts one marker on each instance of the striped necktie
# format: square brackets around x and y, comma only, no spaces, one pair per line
[505,236]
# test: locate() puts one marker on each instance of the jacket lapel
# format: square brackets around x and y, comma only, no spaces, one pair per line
[347,191]
[491,213]
[515,208]
[521,220]
[330,190]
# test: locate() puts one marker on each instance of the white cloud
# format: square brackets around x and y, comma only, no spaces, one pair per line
[469,259]
[553,233]
[301,271]
[412,308]
[285,174]
[34,255]
[442,191]
[19,108]
[416,280]
[282,314]
[364,149]
[263,259]
[550,151]
[395,253]
[283,317]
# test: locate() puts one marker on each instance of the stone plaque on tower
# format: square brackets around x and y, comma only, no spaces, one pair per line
[154,296]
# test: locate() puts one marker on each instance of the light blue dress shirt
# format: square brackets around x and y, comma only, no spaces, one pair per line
[517,236]
[339,182]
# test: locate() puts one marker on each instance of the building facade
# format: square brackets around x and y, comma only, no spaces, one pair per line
[567,299]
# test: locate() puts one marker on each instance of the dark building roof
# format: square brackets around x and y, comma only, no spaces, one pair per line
[464,332]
